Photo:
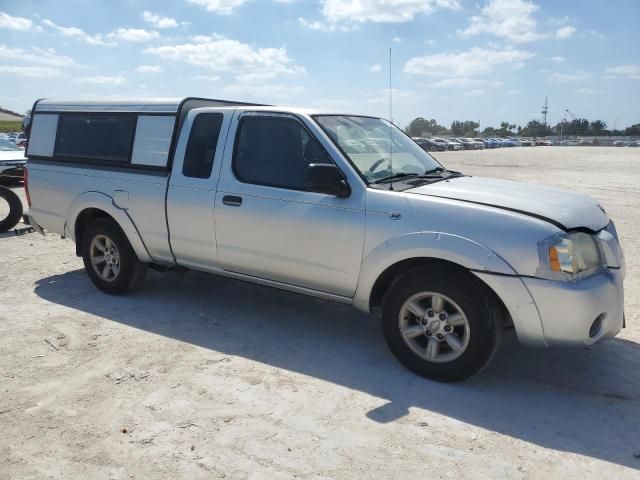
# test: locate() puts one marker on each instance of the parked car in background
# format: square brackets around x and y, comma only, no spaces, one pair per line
[12,160]
[525,142]
[469,143]
[428,145]
[453,145]
[488,143]
[21,140]
[447,144]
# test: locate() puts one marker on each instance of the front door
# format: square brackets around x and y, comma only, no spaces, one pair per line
[269,226]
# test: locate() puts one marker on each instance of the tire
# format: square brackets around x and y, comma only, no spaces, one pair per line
[125,273]
[15,209]
[465,301]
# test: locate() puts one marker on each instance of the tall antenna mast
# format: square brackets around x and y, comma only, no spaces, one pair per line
[391,124]
[390,91]
[545,110]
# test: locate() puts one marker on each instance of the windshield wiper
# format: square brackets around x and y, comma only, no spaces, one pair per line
[394,176]
[439,170]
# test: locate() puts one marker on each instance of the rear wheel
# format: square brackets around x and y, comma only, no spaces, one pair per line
[441,323]
[110,260]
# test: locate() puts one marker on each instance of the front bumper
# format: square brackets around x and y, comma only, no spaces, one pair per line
[562,313]
[581,312]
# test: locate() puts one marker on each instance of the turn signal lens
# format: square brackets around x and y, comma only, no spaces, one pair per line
[553,259]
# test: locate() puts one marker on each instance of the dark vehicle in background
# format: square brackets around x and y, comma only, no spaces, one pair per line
[429,145]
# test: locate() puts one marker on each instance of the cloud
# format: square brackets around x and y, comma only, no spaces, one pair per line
[579,75]
[158,21]
[208,78]
[324,26]
[103,80]
[375,68]
[512,20]
[513,92]
[397,40]
[261,92]
[135,35]
[558,59]
[75,32]
[221,7]
[595,33]
[464,82]
[45,72]
[148,69]
[476,93]
[628,71]
[588,91]
[477,61]
[346,15]
[381,11]
[565,32]
[219,54]
[456,82]
[14,23]
[41,56]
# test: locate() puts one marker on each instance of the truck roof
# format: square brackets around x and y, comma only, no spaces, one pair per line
[155,105]
[162,105]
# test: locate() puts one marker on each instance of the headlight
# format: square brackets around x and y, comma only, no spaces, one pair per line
[570,253]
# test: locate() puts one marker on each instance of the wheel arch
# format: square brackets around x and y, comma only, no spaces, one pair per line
[386,278]
[90,206]
[399,254]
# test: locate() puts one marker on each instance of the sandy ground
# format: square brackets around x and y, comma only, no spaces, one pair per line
[204,377]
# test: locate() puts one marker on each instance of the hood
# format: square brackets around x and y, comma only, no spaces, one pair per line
[566,210]
[12,155]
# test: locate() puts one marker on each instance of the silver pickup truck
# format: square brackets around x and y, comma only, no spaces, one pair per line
[342,207]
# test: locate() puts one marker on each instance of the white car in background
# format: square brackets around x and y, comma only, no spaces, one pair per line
[12,159]
[449,144]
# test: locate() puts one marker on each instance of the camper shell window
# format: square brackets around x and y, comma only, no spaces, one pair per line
[95,136]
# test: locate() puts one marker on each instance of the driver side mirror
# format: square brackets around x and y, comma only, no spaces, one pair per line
[326,178]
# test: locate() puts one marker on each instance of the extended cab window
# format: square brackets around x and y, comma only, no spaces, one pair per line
[201,148]
[97,137]
[275,151]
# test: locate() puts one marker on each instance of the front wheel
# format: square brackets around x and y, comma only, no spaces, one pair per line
[110,260]
[441,323]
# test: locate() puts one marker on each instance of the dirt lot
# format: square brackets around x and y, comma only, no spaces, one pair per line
[204,377]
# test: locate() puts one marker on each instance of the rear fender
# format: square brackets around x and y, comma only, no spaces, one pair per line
[101,201]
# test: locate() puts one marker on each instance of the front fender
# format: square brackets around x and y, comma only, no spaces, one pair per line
[105,203]
[445,246]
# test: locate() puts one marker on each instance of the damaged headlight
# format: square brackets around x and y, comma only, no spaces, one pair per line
[570,253]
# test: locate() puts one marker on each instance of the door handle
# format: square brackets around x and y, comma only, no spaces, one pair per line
[232,200]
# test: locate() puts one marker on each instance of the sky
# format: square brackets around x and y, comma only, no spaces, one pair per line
[483,60]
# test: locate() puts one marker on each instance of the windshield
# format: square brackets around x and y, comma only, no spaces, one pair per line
[7,145]
[377,148]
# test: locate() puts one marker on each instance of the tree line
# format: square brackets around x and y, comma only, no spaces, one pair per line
[420,127]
